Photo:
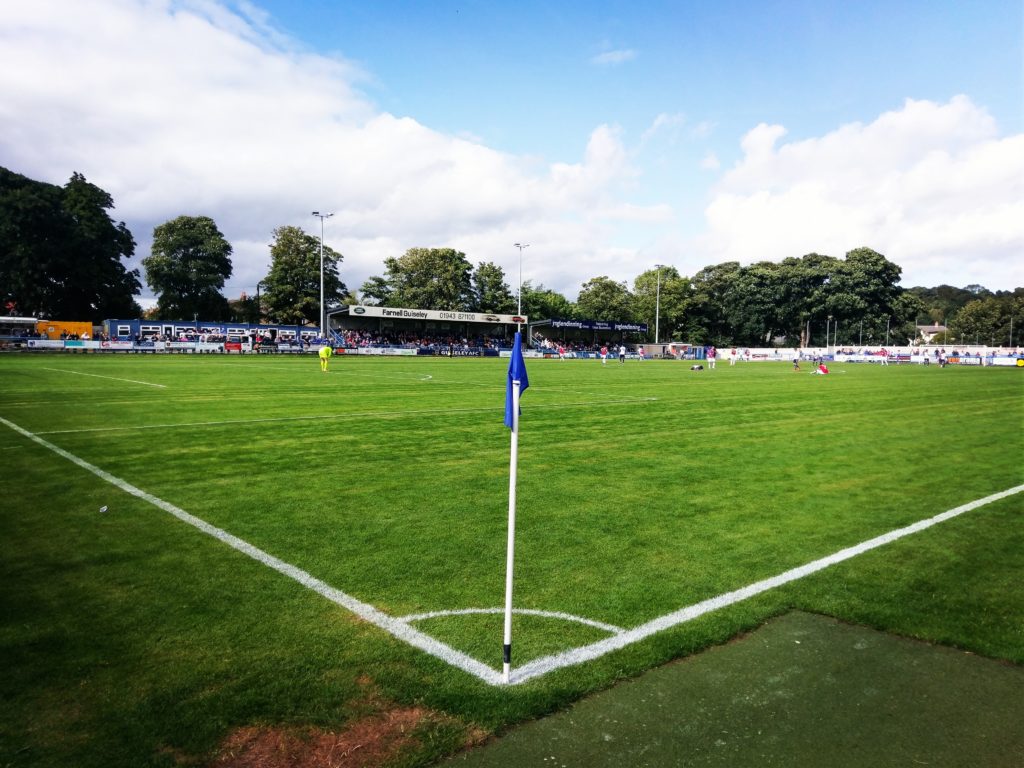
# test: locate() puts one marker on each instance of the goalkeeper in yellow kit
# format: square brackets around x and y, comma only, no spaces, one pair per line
[325,356]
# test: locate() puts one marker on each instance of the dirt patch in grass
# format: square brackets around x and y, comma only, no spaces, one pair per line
[367,743]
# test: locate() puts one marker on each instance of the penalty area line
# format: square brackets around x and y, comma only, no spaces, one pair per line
[396,627]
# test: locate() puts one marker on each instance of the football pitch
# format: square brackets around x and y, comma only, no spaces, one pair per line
[192,545]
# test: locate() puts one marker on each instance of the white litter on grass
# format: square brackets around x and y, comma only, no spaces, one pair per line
[103,509]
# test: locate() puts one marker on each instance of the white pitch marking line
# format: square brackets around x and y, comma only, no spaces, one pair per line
[546,664]
[538,667]
[396,627]
[611,628]
[397,376]
[323,417]
[112,378]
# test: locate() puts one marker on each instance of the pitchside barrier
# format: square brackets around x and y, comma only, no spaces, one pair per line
[915,355]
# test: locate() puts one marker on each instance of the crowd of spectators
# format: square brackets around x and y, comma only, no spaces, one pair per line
[356,339]
[19,332]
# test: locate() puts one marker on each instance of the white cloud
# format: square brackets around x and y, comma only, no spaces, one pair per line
[613,58]
[661,123]
[184,107]
[710,162]
[189,108]
[932,186]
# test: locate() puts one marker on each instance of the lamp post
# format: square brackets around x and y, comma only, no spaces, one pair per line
[322,216]
[828,327]
[519,311]
[259,306]
[657,305]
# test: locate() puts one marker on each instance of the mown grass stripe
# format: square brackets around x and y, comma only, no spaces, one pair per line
[396,627]
[543,666]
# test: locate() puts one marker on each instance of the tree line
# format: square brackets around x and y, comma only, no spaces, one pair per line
[61,256]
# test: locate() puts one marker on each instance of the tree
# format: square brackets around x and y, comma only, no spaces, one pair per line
[944,301]
[60,252]
[902,326]
[542,303]
[706,321]
[490,291]
[979,321]
[754,305]
[293,285]
[189,263]
[668,301]
[425,278]
[601,298]
[377,291]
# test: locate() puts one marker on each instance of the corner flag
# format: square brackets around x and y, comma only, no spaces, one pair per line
[516,372]
[517,382]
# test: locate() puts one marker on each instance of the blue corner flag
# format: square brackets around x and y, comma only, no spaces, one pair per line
[516,372]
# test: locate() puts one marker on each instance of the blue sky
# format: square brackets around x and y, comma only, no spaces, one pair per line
[609,135]
[525,76]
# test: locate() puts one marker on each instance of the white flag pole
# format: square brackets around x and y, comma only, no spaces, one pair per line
[510,556]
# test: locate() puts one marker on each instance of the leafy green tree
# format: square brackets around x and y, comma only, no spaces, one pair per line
[942,302]
[293,285]
[425,278]
[601,298]
[901,327]
[377,291]
[60,252]
[706,321]
[490,291]
[189,263]
[862,291]
[753,304]
[540,303]
[244,309]
[1011,329]
[979,321]
[660,301]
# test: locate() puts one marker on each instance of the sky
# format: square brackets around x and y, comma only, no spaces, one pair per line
[608,136]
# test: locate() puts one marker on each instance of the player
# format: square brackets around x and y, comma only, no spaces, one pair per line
[622,353]
[325,355]
[604,355]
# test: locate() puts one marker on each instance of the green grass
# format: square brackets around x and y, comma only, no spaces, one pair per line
[130,638]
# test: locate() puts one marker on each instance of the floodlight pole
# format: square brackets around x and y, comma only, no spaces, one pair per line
[657,305]
[519,310]
[322,216]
